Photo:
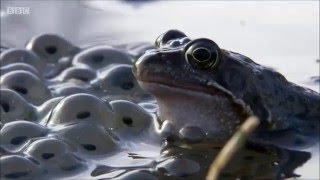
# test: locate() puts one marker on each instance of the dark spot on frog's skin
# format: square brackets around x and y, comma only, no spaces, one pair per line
[311,127]
[304,106]
[233,80]
[258,107]
[260,77]
[280,90]
[291,98]
[301,115]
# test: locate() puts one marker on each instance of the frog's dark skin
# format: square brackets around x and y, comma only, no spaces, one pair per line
[198,84]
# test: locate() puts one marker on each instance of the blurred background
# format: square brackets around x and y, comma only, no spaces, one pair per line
[279,34]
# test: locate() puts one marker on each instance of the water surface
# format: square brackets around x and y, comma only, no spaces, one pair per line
[283,35]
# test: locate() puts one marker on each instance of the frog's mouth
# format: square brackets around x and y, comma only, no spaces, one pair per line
[158,80]
[154,73]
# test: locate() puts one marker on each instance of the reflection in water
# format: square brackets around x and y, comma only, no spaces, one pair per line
[252,162]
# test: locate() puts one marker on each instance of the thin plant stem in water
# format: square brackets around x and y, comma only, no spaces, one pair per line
[231,147]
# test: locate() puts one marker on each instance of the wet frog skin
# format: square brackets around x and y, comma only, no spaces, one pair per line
[198,84]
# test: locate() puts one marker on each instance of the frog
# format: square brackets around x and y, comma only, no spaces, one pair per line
[197,83]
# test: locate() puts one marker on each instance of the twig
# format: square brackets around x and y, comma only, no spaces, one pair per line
[232,146]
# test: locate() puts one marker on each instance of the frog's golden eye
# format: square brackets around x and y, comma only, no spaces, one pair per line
[202,53]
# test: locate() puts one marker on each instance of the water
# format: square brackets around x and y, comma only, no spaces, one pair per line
[283,35]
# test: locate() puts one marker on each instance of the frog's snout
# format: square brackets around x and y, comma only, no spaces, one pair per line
[145,64]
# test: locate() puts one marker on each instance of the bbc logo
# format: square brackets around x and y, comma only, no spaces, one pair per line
[18,10]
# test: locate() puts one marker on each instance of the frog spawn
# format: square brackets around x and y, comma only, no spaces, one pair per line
[13,56]
[54,121]
[101,71]
[70,140]
[117,79]
[65,112]
[17,167]
[15,107]
[27,85]
[15,135]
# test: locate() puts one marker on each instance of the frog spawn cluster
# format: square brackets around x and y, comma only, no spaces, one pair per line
[65,108]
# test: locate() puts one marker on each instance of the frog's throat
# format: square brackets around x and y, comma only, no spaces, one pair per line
[215,114]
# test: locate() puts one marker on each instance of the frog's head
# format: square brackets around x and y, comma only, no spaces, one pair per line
[196,83]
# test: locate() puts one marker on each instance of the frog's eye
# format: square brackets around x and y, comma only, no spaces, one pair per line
[202,53]
[169,35]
